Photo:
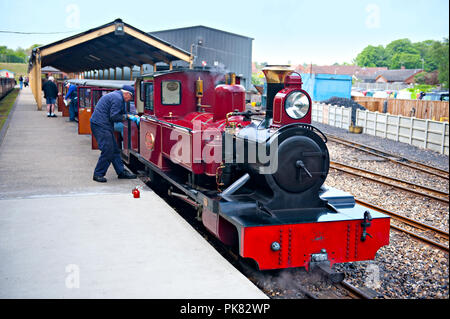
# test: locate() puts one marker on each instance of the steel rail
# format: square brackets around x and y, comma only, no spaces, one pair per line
[347,169]
[392,157]
[354,291]
[413,223]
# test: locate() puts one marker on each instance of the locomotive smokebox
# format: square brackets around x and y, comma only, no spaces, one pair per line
[275,78]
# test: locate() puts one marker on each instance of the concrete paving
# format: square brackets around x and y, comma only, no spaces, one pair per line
[63,235]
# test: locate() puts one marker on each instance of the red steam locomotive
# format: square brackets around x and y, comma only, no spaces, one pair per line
[256,178]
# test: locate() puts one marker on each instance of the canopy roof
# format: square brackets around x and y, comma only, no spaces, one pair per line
[115,44]
[113,84]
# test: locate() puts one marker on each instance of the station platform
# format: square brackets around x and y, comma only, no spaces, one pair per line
[63,235]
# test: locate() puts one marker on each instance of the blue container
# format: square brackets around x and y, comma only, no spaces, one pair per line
[321,87]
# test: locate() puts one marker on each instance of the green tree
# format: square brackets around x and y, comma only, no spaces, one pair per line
[407,60]
[440,54]
[372,56]
[12,56]
[400,46]
[425,49]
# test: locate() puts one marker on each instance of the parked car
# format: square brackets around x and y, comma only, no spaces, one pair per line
[436,96]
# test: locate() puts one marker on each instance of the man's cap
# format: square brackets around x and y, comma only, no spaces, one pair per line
[129,88]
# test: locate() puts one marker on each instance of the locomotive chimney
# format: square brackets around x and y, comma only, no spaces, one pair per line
[275,77]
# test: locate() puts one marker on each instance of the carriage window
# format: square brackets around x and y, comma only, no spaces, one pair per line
[148,96]
[171,92]
[85,97]
[97,94]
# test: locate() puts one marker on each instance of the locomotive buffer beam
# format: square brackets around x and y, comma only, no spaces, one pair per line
[319,263]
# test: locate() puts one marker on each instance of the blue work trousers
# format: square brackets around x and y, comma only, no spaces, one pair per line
[110,152]
[73,109]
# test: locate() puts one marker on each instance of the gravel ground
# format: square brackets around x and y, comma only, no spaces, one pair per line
[432,212]
[406,268]
[390,146]
[350,156]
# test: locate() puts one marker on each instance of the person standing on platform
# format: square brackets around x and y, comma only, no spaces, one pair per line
[21,82]
[72,95]
[50,93]
[110,109]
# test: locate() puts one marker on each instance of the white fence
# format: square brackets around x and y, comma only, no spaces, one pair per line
[422,133]
[381,86]
[332,115]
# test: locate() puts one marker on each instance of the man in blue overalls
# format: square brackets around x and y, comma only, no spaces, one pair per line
[109,109]
[72,95]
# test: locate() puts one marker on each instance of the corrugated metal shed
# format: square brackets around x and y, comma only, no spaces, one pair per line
[220,50]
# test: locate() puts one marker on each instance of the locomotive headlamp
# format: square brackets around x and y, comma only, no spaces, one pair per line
[297,105]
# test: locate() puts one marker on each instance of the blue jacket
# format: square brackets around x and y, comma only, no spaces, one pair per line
[72,88]
[109,109]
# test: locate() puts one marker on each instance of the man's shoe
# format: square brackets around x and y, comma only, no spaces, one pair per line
[53,115]
[126,175]
[100,179]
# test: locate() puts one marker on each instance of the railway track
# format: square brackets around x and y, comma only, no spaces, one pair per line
[415,224]
[394,182]
[355,292]
[352,291]
[391,157]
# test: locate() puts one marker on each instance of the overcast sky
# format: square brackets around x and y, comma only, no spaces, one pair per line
[296,31]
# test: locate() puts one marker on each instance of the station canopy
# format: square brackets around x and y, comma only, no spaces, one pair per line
[115,44]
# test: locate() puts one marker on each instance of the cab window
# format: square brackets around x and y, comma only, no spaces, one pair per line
[147,95]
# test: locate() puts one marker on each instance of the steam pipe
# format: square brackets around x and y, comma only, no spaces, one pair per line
[235,186]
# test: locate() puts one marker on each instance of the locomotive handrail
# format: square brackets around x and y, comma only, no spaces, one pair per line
[246,114]
[154,119]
